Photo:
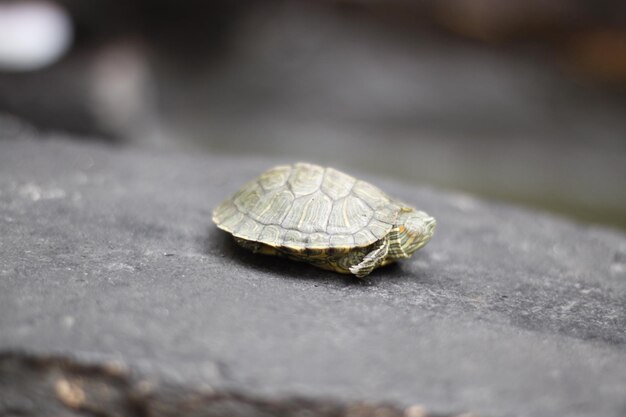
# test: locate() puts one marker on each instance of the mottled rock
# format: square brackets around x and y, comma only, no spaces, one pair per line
[108,256]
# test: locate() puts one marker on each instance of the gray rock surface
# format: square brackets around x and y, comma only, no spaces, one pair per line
[108,256]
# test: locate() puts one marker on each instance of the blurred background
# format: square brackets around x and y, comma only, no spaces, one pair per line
[519,100]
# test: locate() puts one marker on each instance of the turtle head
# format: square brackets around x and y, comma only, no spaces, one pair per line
[415,228]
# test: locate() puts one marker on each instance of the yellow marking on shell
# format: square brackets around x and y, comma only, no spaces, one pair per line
[336,220]
[273,207]
[305,179]
[359,212]
[364,237]
[344,210]
[275,177]
[336,184]
[315,213]
[270,235]
[224,210]
[309,213]
[318,240]
[231,222]
[341,241]
[372,195]
[249,229]
[387,213]
[293,238]
[248,197]
[378,228]
[349,215]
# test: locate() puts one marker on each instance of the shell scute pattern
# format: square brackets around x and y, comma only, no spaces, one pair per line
[336,184]
[271,234]
[251,227]
[387,213]
[248,197]
[341,240]
[293,239]
[371,195]
[305,206]
[324,217]
[349,215]
[319,240]
[364,237]
[273,207]
[305,179]
[309,213]
[231,222]
[378,228]
[275,177]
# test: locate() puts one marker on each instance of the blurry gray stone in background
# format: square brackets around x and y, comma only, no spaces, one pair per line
[372,87]
[310,83]
[109,256]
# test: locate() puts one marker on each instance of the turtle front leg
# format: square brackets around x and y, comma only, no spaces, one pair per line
[372,260]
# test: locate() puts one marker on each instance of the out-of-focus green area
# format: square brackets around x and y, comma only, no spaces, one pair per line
[523,101]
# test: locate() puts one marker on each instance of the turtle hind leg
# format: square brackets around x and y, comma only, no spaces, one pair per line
[372,260]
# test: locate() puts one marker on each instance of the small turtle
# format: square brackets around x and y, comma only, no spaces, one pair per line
[324,217]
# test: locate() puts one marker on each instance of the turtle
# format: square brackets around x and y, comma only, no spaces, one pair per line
[325,217]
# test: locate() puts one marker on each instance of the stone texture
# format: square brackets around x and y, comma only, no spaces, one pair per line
[108,256]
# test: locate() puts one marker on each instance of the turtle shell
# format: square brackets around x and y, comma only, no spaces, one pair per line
[306,206]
